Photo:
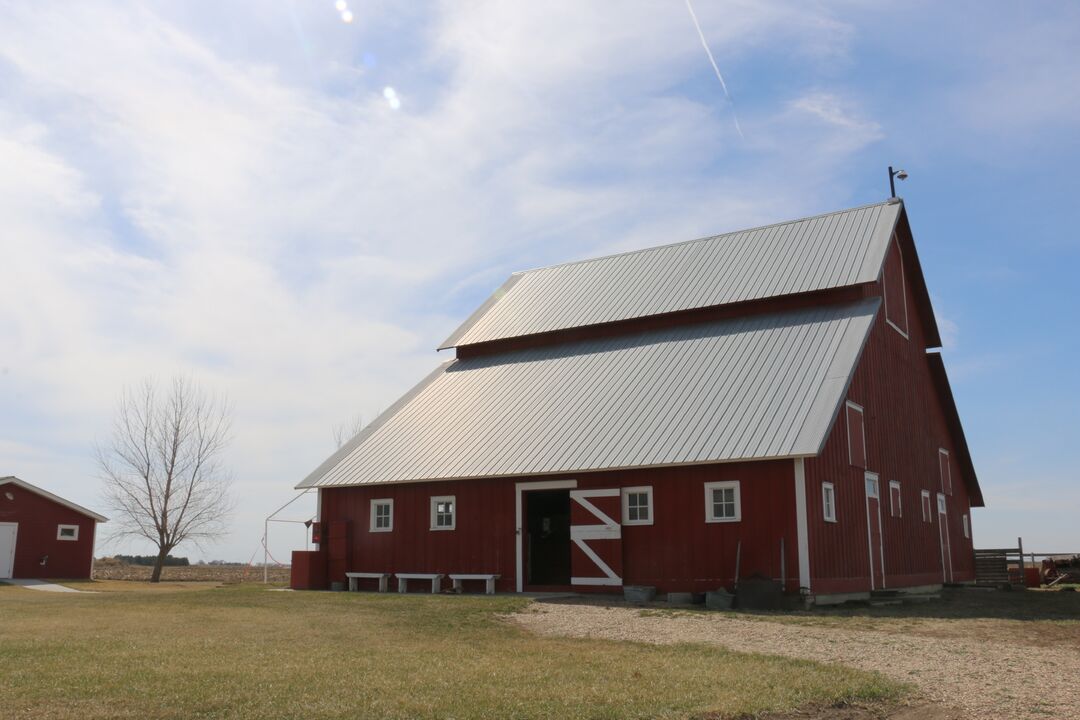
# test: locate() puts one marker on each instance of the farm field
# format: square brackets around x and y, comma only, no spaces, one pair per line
[973,654]
[188,649]
[107,570]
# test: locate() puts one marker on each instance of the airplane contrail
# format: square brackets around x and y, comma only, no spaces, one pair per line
[704,44]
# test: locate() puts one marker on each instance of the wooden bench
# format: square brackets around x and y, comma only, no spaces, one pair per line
[355,577]
[404,578]
[489,581]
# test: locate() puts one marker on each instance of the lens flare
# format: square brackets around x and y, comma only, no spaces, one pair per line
[392,98]
[347,16]
[341,5]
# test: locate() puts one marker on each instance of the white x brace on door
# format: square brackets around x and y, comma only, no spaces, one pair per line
[596,545]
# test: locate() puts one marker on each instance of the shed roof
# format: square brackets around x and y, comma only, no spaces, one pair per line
[749,388]
[11,479]
[815,253]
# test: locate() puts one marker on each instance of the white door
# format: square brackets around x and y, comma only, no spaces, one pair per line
[8,532]
[943,534]
[873,532]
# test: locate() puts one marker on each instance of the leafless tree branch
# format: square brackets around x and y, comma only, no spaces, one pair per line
[346,431]
[162,468]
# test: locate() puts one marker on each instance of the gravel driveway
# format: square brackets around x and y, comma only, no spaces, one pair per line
[981,678]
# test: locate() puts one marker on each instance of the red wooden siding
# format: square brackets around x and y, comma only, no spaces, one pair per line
[678,552]
[36,542]
[905,426]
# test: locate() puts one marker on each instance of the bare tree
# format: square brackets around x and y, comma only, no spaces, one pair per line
[346,431]
[162,467]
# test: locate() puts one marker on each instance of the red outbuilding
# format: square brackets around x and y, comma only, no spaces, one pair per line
[767,402]
[42,535]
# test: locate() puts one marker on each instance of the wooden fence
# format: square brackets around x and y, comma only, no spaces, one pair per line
[992,565]
[1006,566]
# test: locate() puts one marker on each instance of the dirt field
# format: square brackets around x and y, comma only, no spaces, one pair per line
[972,655]
[105,570]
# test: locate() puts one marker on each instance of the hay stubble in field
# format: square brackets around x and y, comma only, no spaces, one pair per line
[239,651]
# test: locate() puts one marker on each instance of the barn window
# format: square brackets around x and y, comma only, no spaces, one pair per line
[67,532]
[443,512]
[637,506]
[828,502]
[895,508]
[722,502]
[926,514]
[967,527]
[382,515]
[893,280]
[946,471]
[856,435]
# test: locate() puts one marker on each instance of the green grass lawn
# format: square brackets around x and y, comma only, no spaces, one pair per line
[241,651]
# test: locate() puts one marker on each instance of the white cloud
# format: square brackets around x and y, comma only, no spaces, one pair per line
[850,130]
[260,216]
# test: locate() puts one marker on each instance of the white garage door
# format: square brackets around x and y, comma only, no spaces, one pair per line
[8,532]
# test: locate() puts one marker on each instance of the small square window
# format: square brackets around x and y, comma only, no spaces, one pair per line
[722,502]
[926,514]
[443,512]
[382,515]
[895,507]
[637,506]
[828,502]
[67,532]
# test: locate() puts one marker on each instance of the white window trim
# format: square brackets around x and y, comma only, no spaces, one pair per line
[61,528]
[709,487]
[862,427]
[371,524]
[626,491]
[896,508]
[827,488]
[927,507]
[967,527]
[435,500]
[946,485]
[903,290]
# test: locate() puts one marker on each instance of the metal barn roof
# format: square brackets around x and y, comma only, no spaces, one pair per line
[816,253]
[765,386]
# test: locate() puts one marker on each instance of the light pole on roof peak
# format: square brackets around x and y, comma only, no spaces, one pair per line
[893,174]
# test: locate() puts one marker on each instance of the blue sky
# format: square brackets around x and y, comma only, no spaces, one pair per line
[226,190]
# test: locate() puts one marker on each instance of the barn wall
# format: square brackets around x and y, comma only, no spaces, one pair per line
[905,425]
[38,518]
[680,551]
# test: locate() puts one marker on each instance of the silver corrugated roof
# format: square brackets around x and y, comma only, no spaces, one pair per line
[816,253]
[759,387]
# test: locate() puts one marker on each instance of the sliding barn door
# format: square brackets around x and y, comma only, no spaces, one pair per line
[596,535]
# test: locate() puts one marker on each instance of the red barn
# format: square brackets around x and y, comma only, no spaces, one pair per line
[42,535]
[768,400]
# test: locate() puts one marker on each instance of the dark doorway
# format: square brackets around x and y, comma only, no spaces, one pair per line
[547,537]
